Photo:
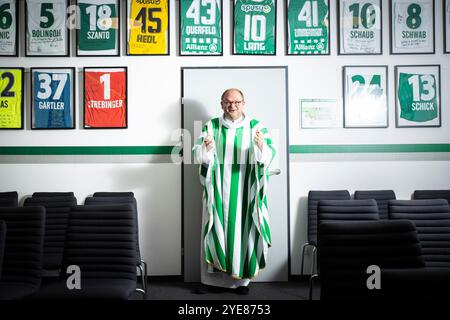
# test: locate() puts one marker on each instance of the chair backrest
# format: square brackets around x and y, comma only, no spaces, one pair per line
[314,196]
[9,199]
[23,245]
[9,194]
[104,200]
[113,194]
[431,194]
[57,217]
[347,210]
[2,244]
[347,249]
[53,194]
[382,198]
[432,220]
[101,240]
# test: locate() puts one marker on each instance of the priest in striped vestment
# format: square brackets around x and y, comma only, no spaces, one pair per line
[234,152]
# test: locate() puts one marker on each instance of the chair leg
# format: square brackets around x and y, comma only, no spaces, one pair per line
[313,260]
[145,274]
[142,278]
[311,284]
[303,257]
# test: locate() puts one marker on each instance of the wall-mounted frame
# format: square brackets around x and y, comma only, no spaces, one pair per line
[418,96]
[200,28]
[53,98]
[360,27]
[320,114]
[105,98]
[254,27]
[47,34]
[9,27]
[148,27]
[446,19]
[365,96]
[11,98]
[99,28]
[412,26]
[308,27]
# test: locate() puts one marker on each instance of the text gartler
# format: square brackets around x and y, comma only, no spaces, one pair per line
[185,310]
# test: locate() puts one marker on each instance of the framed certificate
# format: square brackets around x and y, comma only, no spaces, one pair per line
[360,27]
[254,27]
[418,96]
[47,33]
[320,113]
[365,96]
[99,28]
[148,27]
[105,98]
[308,27]
[52,98]
[201,27]
[446,17]
[11,98]
[9,15]
[412,26]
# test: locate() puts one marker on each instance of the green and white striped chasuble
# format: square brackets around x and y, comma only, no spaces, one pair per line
[236,232]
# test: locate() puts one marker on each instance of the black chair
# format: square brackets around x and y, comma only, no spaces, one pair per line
[114,194]
[9,199]
[2,244]
[432,220]
[382,197]
[122,198]
[53,194]
[57,216]
[431,194]
[344,211]
[101,241]
[347,249]
[313,199]
[22,265]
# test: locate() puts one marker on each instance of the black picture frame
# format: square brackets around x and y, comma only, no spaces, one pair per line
[392,31]
[446,26]
[180,40]
[287,34]
[125,68]
[397,104]
[344,96]
[72,100]
[127,22]
[22,104]
[233,51]
[340,24]
[67,42]
[16,40]
[118,35]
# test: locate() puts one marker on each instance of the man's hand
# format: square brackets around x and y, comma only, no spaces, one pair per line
[209,142]
[259,140]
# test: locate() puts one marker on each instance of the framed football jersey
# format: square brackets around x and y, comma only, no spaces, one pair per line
[53,98]
[105,98]
[47,33]
[201,27]
[148,27]
[99,28]
[9,14]
[11,98]
[254,27]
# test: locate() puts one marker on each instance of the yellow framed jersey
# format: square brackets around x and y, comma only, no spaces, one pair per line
[11,98]
[148,27]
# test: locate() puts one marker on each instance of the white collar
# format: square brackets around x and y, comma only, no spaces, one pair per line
[233,124]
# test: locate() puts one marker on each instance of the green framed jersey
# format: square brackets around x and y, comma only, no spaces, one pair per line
[200,27]
[255,27]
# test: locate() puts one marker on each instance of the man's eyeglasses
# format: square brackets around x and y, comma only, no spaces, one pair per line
[229,103]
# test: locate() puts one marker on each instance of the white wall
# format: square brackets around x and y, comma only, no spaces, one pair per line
[155,111]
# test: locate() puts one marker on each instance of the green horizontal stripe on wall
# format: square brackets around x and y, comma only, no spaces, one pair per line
[88,150]
[167,150]
[369,148]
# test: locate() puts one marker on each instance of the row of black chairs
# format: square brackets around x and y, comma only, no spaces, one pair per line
[93,236]
[378,209]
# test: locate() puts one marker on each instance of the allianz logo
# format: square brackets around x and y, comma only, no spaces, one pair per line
[256,8]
